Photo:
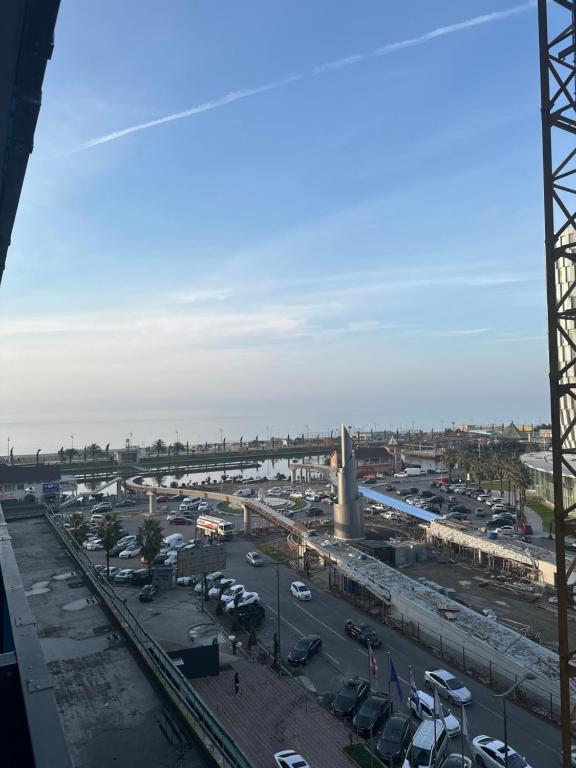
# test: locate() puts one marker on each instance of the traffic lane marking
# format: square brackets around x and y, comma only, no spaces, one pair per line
[302,634]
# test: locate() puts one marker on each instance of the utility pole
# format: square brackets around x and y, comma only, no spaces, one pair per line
[557,39]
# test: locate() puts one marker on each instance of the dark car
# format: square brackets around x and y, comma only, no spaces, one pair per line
[461,508]
[160,559]
[164,499]
[126,503]
[372,715]
[148,593]
[251,616]
[394,740]
[315,512]
[425,494]
[179,520]
[305,649]
[350,697]
[389,487]
[364,633]
[140,576]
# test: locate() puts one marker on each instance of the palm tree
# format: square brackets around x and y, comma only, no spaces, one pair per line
[70,453]
[178,448]
[61,454]
[159,446]
[150,538]
[450,460]
[107,449]
[94,450]
[109,531]
[78,528]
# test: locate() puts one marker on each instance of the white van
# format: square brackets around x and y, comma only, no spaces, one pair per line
[192,502]
[428,745]
[244,492]
[174,540]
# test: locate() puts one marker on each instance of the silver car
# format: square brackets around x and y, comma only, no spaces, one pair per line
[255,559]
[448,685]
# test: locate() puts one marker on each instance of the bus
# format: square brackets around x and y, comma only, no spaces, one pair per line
[214,526]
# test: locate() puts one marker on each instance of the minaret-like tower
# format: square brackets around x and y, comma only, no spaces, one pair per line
[348,513]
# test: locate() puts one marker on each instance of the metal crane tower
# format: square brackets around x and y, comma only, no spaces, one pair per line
[557,28]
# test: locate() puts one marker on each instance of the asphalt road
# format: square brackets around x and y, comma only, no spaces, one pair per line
[342,657]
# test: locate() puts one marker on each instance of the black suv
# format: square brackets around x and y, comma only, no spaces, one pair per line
[349,698]
[315,512]
[372,715]
[364,633]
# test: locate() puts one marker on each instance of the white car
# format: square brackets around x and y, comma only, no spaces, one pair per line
[288,758]
[93,544]
[296,495]
[494,500]
[133,550]
[491,753]
[400,474]
[184,581]
[505,530]
[224,584]
[448,685]
[123,576]
[203,506]
[300,591]
[231,593]
[246,598]
[427,713]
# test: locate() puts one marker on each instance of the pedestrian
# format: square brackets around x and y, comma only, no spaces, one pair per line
[251,640]
[236,683]
[234,643]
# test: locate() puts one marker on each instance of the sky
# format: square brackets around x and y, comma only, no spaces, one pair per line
[282,216]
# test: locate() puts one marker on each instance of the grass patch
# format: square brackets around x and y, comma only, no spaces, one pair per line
[277,550]
[492,485]
[229,509]
[546,514]
[297,504]
[361,756]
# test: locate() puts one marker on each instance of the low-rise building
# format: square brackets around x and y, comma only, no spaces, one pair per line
[369,459]
[20,480]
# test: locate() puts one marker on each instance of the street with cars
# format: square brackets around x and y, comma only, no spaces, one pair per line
[345,656]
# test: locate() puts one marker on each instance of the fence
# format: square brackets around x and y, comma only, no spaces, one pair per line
[190,705]
[488,671]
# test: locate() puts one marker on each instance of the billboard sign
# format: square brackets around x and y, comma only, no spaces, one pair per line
[50,487]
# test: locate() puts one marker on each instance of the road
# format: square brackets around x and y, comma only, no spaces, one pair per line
[342,657]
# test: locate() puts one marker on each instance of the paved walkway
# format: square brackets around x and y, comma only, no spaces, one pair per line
[273,713]
[534,519]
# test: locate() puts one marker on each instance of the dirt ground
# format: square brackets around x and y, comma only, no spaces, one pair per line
[479,589]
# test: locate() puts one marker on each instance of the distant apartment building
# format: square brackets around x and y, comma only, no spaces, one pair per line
[369,459]
[20,480]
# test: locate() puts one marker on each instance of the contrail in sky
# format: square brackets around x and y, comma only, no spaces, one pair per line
[357,58]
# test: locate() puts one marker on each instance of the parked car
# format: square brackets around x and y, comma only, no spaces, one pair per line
[223,585]
[394,739]
[126,503]
[372,714]
[203,506]
[132,550]
[448,685]
[231,593]
[428,746]
[288,758]
[505,530]
[93,544]
[164,499]
[139,576]
[305,649]
[178,520]
[349,698]
[255,559]
[457,761]
[315,512]
[110,572]
[300,591]
[103,506]
[491,753]
[243,601]
[426,712]
[364,633]
[123,576]
[148,593]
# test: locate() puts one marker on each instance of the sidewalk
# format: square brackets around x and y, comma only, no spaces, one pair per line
[273,713]
[534,519]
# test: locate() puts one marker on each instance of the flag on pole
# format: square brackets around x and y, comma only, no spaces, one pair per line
[438,711]
[414,698]
[464,723]
[373,662]
[394,678]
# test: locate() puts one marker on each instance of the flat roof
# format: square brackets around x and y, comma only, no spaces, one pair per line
[401,506]
[542,460]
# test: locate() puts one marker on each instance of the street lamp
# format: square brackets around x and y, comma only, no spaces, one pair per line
[278,647]
[503,696]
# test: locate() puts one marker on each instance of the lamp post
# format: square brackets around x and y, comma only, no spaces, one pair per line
[503,696]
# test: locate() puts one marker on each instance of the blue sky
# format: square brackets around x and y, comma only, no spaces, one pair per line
[359,242]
